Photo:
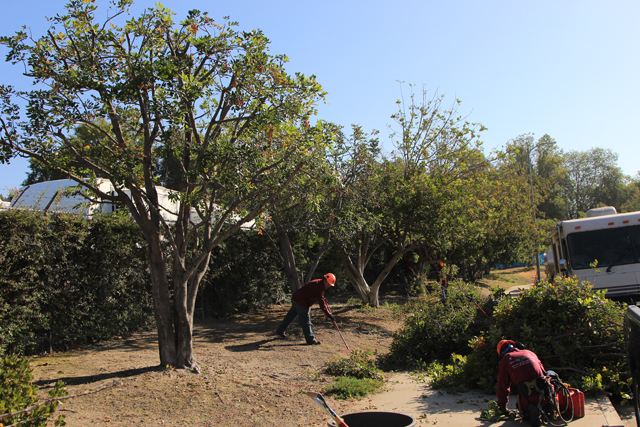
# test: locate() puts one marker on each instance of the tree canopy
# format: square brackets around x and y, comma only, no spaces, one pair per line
[199,94]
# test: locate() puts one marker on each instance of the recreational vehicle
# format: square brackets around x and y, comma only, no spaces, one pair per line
[603,249]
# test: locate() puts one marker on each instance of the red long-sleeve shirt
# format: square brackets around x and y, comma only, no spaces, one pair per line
[515,367]
[311,293]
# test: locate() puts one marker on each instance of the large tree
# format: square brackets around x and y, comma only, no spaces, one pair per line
[210,98]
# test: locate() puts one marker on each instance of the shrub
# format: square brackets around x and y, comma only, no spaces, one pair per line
[574,331]
[244,273]
[66,280]
[435,328]
[449,377]
[17,393]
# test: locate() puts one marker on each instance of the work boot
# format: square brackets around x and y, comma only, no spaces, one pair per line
[535,417]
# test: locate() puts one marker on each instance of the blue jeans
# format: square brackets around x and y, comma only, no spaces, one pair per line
[304,319]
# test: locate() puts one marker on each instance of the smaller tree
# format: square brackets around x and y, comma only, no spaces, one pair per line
[632,197]
[414,198]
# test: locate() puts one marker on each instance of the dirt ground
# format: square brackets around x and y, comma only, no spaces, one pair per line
[249,376]
[510,277]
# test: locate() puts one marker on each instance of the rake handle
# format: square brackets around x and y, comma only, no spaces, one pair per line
[345,343]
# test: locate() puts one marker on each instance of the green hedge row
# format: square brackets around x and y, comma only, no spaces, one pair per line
[65,280]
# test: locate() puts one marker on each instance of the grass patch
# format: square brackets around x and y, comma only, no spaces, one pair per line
[501,278]
[353,388]
[359,364]
[357,375]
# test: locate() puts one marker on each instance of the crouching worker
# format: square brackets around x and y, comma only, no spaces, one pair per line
[301,303]
[522,368]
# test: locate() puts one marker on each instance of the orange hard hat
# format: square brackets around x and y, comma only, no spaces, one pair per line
[330,278]
[502,344]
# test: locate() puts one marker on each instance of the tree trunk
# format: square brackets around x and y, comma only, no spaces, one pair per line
[184,326]
[162,304]
[375,288]
[288,258]
[354,273]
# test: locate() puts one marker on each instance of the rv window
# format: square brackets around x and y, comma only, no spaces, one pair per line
[634,233]
[609,247]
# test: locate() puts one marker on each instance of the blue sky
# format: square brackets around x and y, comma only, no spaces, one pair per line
[569,69]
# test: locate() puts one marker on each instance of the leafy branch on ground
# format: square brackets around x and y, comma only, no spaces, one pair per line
[574,330]
[493,414]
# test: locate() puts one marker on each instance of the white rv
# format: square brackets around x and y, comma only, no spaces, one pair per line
[611,239]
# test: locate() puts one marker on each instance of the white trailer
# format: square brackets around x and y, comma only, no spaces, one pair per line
[611,239]
[57,196]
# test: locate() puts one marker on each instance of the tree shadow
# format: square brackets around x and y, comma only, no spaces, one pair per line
[88,379]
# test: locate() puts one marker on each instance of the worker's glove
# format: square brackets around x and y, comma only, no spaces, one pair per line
[330,316]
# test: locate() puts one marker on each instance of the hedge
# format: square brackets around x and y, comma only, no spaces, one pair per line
[65,280]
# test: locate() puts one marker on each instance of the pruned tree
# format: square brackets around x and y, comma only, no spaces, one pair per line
[198,92]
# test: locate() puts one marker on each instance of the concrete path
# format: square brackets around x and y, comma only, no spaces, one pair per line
[431,407]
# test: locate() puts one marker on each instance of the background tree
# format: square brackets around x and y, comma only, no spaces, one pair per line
[593,179]
[549,168]
[632,199]
[414,197]
[199,92]
[307,215]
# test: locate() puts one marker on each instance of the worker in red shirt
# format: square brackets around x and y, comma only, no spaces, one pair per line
[301,303]
[518,365]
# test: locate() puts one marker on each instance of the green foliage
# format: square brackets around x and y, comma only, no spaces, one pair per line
[448,377]
[493,414]
[575,332]
[67,281]
[357,375]
[17,393]
[436,328]
[359,364]
[244,273]
[594,179]
[194,103]
[350,387]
